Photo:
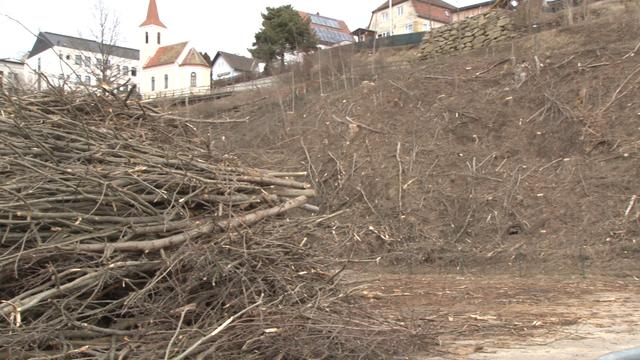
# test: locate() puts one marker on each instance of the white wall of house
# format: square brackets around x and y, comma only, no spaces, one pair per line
[70,67]
[405,20]
[222,70]
[12,74]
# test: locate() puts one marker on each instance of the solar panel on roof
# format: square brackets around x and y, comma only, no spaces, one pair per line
[331,36]
[319,20]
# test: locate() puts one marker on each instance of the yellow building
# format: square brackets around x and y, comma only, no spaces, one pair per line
[407,16]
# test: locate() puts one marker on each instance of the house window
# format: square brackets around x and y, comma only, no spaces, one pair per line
[87,61]
[125,70]
[427,26]
[78,79]
[125,87]
[385,16]
[146,37]
[79,60]
[194,79]
[87,80]
[400,10]
[153,83]
[68,57]
[158,38]
[409,28]
[134,72]
[166,81]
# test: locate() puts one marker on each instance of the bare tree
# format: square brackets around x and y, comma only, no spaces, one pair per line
[107,67]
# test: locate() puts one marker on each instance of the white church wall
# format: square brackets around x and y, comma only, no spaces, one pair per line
[149,48]
[179,80]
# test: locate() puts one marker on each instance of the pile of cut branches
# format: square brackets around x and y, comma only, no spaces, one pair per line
[115,245]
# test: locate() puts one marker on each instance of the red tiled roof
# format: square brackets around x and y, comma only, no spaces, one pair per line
[426,9]
[194,58]
[343,28]
[166,55]
[153,18]
[440,3]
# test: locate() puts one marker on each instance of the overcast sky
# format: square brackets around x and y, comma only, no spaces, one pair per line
[210,25]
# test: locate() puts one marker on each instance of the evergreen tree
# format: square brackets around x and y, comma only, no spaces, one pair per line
[283,31]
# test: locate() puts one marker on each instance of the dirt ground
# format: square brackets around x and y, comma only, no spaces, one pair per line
[499,317]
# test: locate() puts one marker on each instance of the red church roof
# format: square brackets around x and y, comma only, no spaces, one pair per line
[194,58]
[166,55]
[152,15]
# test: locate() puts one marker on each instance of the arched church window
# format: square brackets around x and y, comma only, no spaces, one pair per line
[153,83]
[166,81]
[194,79]
[146,37]
[158,38]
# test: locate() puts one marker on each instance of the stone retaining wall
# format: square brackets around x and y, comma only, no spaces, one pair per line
[471,33]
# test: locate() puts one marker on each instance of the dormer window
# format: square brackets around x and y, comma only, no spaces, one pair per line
[158,38]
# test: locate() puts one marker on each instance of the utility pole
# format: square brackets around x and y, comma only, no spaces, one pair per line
[390,17]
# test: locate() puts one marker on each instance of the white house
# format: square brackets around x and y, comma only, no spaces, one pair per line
[228,66]
[73,62]
[11,74]
[168,70]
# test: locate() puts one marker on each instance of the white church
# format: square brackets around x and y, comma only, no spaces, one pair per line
[169,69]
[155,69]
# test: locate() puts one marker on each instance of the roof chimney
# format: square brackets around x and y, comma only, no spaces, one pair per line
[152,15]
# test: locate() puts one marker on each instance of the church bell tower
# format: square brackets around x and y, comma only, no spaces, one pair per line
[152,33]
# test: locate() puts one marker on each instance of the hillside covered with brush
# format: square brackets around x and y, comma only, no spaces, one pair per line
[524,152]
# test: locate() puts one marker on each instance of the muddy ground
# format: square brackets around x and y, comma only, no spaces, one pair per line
[499,317]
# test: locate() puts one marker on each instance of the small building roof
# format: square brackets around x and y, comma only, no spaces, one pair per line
[194,58]
[166,55]
[153,18]
[47,40]
[362,31]
[469,4]
[237,62]
[12,61]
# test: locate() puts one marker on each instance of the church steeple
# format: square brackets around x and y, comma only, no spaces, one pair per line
[153,18]
[152,33]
